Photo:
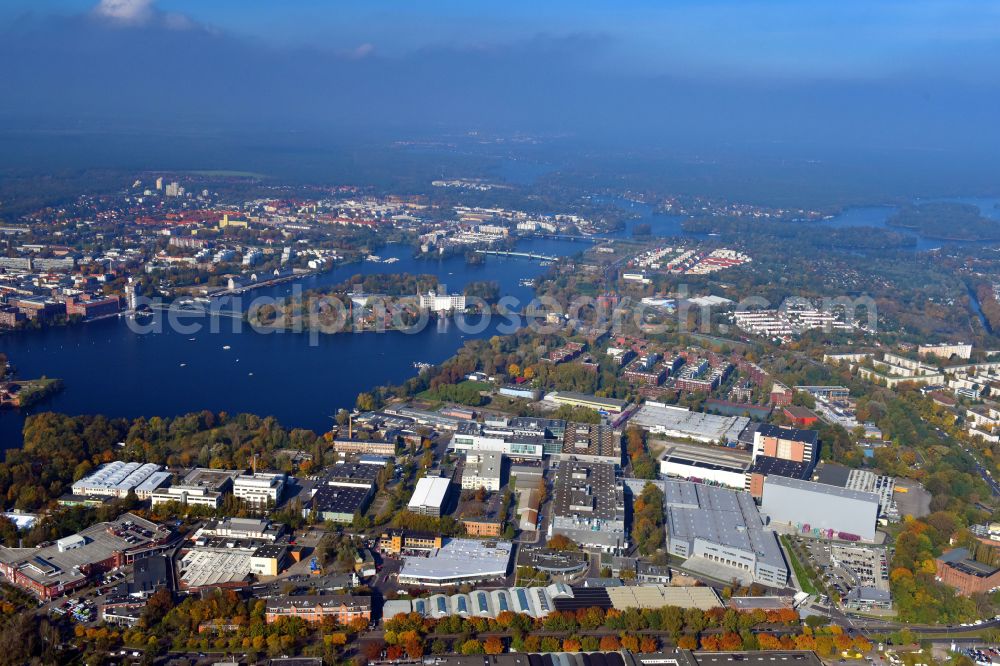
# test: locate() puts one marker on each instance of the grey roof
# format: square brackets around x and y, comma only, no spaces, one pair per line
[591,440]
[869,594]
[460,557]
[546,559]
[339,499]
[310,601]
[594,485]
[573,395]
[554,426]
[793,434]
[707,456]
[682,422]
[50,566]
[823,488]
[489,466]
[351,471]
[719,515]
[832,474]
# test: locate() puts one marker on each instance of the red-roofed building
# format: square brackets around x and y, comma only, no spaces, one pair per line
[800,416]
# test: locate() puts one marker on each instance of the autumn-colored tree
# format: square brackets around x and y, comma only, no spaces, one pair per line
[550,644]
[730,641]
[649,644]
[370,649]
[414,648]
[561,542]
[472,646]
[630,642]
[687,642]
[843,642]
[768,642]
[493,645]
[710,643]
[404,637]
[610,644]
[571,644]
[394,652]
[804,642]
[505,618]
[825,646]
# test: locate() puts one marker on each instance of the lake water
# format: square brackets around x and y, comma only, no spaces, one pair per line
[109,369]
[877,216]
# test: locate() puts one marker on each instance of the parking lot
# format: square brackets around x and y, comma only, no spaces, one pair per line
[982,654]
[842,567]
[83,606]
[868,567]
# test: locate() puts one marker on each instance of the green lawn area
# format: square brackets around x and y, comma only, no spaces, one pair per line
[466,393]
[804,576]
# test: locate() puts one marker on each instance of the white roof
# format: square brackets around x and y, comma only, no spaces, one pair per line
[460,557]
[429,492]
[116,476]
[155,480]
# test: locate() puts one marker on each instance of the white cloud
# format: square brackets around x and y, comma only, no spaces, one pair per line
[134,12]
[362,51]
[178,22]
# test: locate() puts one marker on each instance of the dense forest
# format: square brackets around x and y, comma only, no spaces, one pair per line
[60,449]
[813,235]
[946,220]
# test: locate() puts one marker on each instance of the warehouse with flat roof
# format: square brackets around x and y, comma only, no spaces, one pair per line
[723,529]
[591,443]
[716,464]
[589,505]
[827,511]
[211,568]
[338,504]
[671,421]
[787,443]
[610,405]
[429,496]
[457,561]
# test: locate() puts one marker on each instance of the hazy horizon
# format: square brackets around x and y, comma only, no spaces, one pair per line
[903,90]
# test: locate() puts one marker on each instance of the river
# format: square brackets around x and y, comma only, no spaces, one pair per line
[664,225]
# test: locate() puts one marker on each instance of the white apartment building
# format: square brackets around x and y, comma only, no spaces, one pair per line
[259,489]
[482,470]
[187,495]
[437,302]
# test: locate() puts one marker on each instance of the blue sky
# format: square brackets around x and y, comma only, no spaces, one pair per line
[795,38]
